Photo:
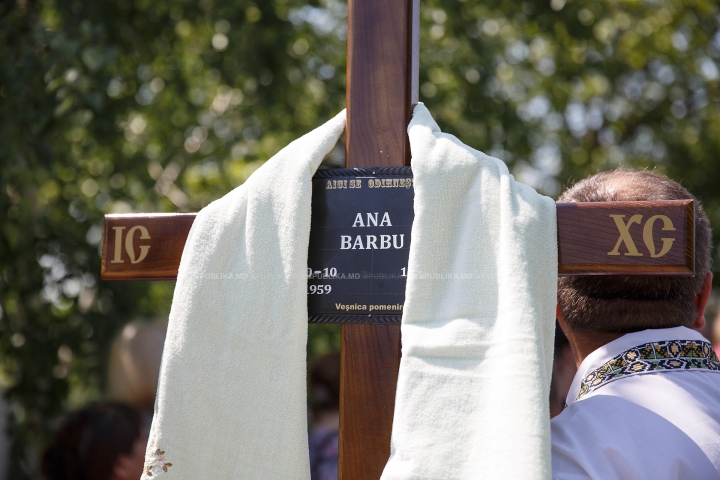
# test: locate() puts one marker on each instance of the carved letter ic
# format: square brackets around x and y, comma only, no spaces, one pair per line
[129,246]
[144,235]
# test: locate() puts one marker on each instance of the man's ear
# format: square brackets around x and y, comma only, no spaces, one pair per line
[561,320]
[701,301]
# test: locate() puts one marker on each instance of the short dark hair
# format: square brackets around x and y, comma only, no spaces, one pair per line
[622,304]
[90,442]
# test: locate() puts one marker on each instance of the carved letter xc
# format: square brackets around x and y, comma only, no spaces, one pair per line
[625,237]
[648,235]
[624,229]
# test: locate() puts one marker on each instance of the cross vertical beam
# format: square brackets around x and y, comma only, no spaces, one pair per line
[382,88]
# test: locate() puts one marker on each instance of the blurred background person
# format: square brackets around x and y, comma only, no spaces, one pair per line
[134,365]
[325,416]
[103,441]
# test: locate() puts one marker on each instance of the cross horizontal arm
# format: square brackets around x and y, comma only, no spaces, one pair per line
[613,238]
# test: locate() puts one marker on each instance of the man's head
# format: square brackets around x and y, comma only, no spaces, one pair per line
[622,304]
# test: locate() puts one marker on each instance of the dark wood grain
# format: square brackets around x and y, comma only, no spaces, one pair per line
[586,233]
[370,359]
[589,240]
[382,76]
[381,81]
[123,260]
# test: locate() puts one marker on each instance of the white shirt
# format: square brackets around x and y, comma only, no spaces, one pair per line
[655,418]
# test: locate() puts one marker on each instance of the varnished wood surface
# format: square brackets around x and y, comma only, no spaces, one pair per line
[382,74]
[586,233]
[382,88]
[588,238]
[167,233]
[370,358]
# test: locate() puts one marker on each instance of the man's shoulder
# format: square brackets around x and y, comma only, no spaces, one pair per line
[680,397]
[636,426]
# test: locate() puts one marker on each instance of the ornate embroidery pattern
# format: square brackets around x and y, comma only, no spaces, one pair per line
[652,357]
[155,462]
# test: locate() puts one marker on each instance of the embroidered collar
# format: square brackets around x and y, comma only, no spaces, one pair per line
[649,351]
[652,357]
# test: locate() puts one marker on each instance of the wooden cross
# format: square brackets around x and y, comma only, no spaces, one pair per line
[382,88]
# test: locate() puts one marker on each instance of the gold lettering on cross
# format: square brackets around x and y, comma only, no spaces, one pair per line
[648,235]
[129,248]
[117,257]
[624,229]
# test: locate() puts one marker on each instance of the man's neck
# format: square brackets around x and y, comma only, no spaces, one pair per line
[583,344]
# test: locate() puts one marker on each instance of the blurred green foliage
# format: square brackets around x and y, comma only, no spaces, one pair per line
[131,105]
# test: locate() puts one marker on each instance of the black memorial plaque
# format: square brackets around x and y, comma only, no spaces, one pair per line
[359,244]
